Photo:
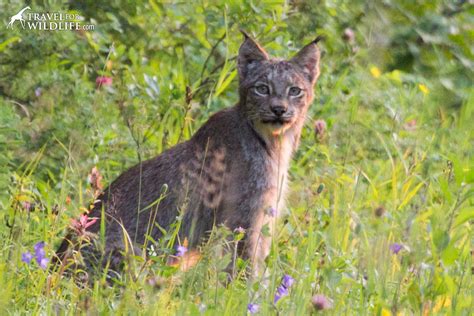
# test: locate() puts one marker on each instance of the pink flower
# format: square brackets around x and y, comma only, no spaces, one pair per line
[103,81]
[80,226]
[26,205]
[349,35]
[321,302]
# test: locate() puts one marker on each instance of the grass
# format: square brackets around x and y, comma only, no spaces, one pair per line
[394,164]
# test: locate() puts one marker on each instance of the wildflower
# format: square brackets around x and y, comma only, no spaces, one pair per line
[239,230]
[385,312]
[39,249]
[80,226]
[239,233]
[43,263]
[40,255]
[379,211]
[349,35]
[320,127]
[38,92]
[395,248]
[287,281]
[27,206]
[253,308]
[423,88]
[281,292]
[321,302]
[103,81]
[181,250]
[271,211]
[26,257]
[376,73]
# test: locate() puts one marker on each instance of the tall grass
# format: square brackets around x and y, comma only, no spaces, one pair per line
[391,170]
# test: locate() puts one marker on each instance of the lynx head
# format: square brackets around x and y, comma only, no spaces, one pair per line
[275,94]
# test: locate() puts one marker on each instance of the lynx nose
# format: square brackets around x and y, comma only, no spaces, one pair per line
[278,110]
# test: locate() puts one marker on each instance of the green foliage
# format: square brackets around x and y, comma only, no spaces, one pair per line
[393,165]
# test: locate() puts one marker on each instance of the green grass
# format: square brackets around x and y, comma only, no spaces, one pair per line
[394,165]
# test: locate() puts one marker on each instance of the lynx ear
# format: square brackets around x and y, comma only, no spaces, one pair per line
[307,60]
[249,54]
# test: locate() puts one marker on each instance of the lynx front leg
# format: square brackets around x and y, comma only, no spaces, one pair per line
[258,244]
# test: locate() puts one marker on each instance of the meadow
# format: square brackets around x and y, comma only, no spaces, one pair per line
[380,215]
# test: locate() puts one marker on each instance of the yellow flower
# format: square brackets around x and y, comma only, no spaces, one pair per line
[375,72]
[441,302]
[423,88]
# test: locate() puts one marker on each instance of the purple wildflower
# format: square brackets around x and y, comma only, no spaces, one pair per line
[272,212]
[395,248]
[26,257]
[281,292]
[40,255]
[181,250]
[253,308]
[38,91]
[287,281]
[321,302]
[43,263]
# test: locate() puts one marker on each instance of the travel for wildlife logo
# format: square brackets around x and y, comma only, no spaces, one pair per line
[49,21]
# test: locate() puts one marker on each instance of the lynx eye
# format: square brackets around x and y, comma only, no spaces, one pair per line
[262,89]
[295,91]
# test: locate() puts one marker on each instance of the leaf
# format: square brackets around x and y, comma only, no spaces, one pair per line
[440,239]
[414,295]
[464,215]
[449,255]
[410,195]
[9,41]
[222,84]
[266,230]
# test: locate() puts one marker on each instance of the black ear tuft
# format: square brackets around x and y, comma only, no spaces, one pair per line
[318,39]
[250,52]
[308,58]
[244,34]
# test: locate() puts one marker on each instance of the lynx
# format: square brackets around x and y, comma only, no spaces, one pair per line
[232,172]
